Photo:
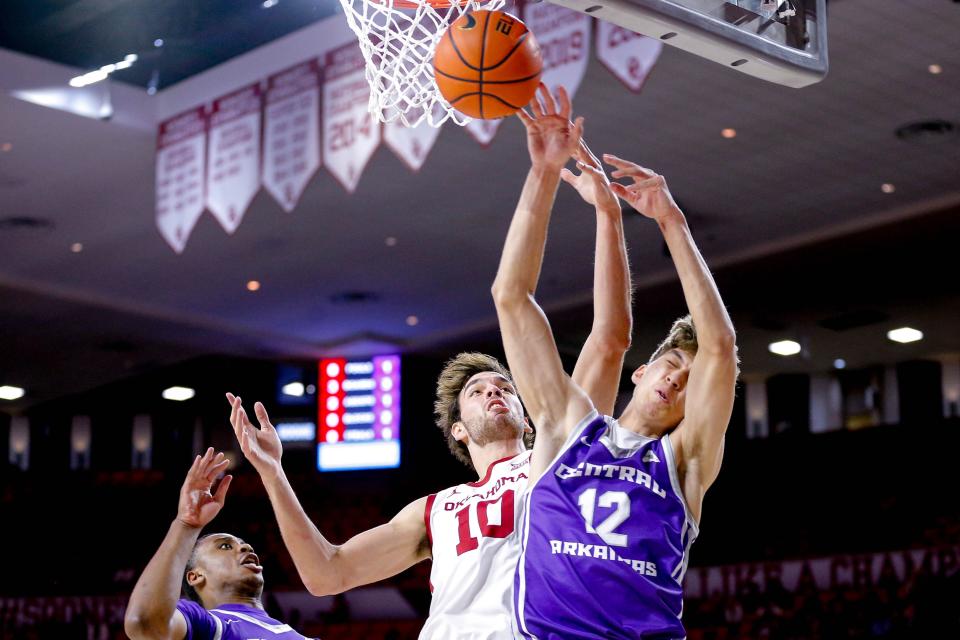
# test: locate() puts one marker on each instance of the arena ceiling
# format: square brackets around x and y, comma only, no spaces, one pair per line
[790,212]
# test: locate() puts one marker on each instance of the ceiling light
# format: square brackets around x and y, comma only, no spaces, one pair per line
[294,389]
[839,363]
[270,3]
[178,393]
[886,187]
[6,146]
[935,69]
[8,392]
[391,241]
[103,72]
[76,247]
[413,320]
[904,335]
[158,43]
[729,133]
[785,348]
[253,285]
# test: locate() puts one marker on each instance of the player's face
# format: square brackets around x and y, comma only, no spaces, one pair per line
[490,408]
[661,388]
[227,563]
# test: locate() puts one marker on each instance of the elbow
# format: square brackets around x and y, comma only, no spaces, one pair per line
[612,341]
[323,586]
[138,626]
[723,343]
[506,296]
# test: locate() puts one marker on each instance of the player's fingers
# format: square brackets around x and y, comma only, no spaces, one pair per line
[621,191]
[244,420]
[524,117]
[619,163]
[221,493]
[586,149]
[567,176]
[563,99]
[217,469]
[262,416]
[646,185]
[578,128]
[535,108]
[194,467]
[549,106]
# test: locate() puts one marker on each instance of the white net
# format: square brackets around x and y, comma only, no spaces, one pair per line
[397,44]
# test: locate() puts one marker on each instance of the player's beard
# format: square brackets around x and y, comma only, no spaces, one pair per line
[250,586]
[488,429]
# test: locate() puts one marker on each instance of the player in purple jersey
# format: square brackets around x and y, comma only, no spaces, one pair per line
[220,572]
[614,505]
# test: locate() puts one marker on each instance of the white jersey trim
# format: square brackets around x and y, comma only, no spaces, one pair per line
[574,436]
[273,628]
[689,520]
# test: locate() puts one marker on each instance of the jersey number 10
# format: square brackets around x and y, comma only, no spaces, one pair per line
[467,541]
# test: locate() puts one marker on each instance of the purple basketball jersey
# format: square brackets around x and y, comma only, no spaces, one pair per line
[232,622]
[606,540]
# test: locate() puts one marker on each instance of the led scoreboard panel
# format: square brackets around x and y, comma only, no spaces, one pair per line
[359,414]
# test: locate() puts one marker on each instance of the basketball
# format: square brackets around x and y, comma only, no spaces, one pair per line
[487,64]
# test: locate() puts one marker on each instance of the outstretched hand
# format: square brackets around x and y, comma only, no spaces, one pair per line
[592,183]
[648,194]
[198,506]
[260,446]
[551,138]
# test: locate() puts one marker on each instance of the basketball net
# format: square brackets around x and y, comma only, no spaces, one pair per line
[397,38]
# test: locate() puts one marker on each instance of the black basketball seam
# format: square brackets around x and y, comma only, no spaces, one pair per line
[520,41]
[472,81]
[489,95]
[453,41]
[483,54]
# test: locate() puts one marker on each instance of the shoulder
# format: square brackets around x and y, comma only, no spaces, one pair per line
[201,624]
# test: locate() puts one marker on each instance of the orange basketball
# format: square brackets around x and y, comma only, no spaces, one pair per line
[487,64]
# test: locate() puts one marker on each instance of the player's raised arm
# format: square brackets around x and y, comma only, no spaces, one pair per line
[152,611]
[710,387]
[549,395]
[324,567]
[600,363]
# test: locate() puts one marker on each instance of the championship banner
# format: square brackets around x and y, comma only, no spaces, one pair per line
[350,133]
[291,139]
[629,56]
[411,144]
[857,570]
[181,156]
[233,173]
[483,131]
[564,37]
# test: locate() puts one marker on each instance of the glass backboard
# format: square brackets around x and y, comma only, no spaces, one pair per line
[781,41]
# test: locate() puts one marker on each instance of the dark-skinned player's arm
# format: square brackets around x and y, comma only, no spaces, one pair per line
[698,439]
[324,567]
[600,364]
[152,610]
[548,393]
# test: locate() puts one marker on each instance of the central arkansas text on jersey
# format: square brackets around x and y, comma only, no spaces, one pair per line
[606,538]
[473,531]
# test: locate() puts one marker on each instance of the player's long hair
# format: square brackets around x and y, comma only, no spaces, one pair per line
[446,407]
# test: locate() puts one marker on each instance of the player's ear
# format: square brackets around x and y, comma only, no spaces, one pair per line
[195,578]
[527,428]
[638,373]
[459,431]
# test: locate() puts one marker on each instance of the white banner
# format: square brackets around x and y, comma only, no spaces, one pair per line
[483,131]
[181,157]
[412,144]
[350,133]
[564,38]
[233,173]
[629,56]
[291,139]
[859,571]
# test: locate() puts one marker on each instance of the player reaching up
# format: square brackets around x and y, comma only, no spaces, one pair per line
[220,572]
[613,505]
[469,530]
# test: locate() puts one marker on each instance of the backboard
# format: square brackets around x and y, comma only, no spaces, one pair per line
[781,41]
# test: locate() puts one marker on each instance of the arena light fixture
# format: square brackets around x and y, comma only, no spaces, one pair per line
[729,133]
[935,69]
[76,247]
[9,392]
[785,348]
[294,389]
[904,335]
[839,363]
[178,393]
[103,72]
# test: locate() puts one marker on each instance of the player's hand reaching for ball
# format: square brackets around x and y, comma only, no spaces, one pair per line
[198,504]
[551,138]
[648,192]
[592,183]
[260,446]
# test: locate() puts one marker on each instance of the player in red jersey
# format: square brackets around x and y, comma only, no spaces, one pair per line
[467,530]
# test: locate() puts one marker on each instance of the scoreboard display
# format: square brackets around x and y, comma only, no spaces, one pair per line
[358,412]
